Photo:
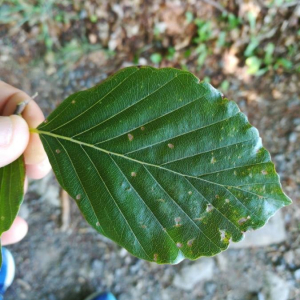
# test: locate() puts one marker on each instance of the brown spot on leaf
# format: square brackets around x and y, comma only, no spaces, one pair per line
[209,207]
[130,137]
[243,220]
[171,146]
[161,200]
[177,221]
[213,160]
[190,242]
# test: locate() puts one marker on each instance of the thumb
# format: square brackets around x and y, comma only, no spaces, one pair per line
[14,137]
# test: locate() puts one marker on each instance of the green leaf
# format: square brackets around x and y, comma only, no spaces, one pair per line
[158,162]
[12,179]
[156,58]
[253,63]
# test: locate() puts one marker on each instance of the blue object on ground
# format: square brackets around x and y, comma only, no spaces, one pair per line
[103,296]
[7,272]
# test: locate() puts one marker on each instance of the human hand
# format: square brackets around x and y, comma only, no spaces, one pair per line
[15,140]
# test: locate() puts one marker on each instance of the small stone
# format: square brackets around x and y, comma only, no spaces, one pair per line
[190,275]
[210,288]
[293,137]
[272,233]
[97,267]
[92,38]
[123,252]
[275,288]
[297,274]
[289,258]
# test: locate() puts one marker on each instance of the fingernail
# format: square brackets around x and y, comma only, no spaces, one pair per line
[6,131]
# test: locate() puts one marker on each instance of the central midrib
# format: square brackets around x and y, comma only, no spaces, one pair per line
[34,130]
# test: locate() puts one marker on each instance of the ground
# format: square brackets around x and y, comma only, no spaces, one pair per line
[70,46]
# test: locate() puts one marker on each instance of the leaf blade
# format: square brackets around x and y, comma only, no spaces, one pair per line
[12,179]
[160,163]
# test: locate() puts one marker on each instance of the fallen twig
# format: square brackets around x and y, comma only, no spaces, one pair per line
[21,106]
[65,210]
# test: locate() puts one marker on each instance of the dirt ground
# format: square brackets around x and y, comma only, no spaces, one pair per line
[56,262]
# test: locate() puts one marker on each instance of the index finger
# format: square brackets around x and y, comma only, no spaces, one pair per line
[6,92]
[37,164]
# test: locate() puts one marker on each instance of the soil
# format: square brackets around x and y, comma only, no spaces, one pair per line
[70,262]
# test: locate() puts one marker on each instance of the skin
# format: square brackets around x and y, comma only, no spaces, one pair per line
[15,140]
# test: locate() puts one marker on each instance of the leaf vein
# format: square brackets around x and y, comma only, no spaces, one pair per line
[148,122]
[185,133]
[98,101]
[71,161]
[142,200]
[118,207]
[188,216]
[128,107]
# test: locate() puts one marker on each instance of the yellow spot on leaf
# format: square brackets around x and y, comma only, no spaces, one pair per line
[190,242]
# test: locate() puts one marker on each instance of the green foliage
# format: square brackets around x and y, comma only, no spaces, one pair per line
[251,47]
[189,17]
[45,16]
[233,21]
[11,193]
[156,58]
[221,42]
[225,86]
[162,164]
[171,53]
[269,51]
[253,63]
[204,30]
[202,52]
